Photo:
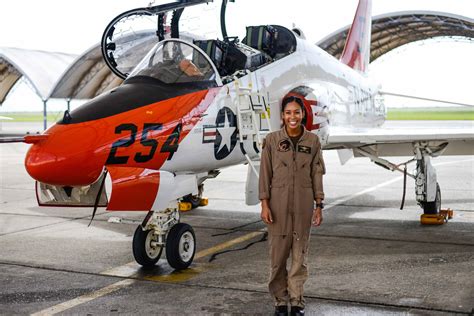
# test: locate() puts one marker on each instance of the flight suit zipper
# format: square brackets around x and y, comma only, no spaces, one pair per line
[293,146]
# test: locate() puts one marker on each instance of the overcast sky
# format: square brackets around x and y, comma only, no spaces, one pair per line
[434,69]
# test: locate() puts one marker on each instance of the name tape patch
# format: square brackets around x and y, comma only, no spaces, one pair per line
[304,149]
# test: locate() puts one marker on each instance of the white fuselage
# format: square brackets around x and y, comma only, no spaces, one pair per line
[347,97]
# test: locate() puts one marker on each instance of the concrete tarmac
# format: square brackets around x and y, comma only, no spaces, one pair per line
[368,258]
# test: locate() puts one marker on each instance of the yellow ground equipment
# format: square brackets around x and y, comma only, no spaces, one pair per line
[204,202]
[437,219]
[185,206]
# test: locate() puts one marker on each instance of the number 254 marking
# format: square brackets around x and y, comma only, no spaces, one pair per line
[170,145]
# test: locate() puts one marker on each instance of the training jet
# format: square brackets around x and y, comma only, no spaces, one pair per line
[190,106]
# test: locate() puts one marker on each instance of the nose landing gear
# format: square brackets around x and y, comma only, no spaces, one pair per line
[146,249]
[180,246]
[160,230]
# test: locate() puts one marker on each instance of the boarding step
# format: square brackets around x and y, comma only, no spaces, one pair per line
[252,102]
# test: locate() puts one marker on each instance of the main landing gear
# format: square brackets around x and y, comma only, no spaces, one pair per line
[427,189]
[191,201]
[162,230]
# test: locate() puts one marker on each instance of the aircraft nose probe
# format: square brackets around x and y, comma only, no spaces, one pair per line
[27,139]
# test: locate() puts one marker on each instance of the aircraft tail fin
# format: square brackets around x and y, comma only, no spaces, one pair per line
[356,53]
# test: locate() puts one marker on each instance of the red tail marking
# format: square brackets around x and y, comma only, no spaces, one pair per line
[356,51]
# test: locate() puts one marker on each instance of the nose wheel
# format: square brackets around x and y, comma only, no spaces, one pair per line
[162,229]
[146,249]
[180,246]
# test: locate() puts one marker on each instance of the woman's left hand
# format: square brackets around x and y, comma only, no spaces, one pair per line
[317,216]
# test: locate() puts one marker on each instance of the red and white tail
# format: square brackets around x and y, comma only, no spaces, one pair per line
[356,51]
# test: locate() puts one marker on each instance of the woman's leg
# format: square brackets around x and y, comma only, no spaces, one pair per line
[279,252]
[299,270]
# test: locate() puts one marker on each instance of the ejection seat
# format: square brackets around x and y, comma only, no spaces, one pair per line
[230,56]
[274,40]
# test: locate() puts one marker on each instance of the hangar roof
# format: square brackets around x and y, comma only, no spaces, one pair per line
[41,69]
[392,30]
[89,76]
[85,78]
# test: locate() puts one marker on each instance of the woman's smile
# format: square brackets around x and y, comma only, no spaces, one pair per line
[292,116]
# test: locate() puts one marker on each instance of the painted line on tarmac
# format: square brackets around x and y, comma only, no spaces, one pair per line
[130,270]
[84,298]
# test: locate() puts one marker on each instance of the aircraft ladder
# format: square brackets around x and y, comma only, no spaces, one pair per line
[249,104]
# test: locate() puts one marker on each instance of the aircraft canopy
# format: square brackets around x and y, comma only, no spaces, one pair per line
[175,61]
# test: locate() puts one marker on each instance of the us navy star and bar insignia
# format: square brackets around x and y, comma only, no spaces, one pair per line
[223,134]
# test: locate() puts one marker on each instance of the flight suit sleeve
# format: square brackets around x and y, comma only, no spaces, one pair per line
[318,169]
[266,172]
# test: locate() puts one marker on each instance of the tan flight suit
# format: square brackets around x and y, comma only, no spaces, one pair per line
[291,179]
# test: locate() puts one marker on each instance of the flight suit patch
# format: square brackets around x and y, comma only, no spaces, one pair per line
[284,145]
[304,149]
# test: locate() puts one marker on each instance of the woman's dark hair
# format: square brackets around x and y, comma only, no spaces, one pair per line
[292,99]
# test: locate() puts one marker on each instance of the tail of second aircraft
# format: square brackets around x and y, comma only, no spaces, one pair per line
[356,53]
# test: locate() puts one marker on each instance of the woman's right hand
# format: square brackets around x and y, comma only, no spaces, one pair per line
[266,213]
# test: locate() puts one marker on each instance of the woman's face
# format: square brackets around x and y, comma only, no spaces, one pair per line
[292,115]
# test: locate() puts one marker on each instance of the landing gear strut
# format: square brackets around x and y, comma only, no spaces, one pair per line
[427,189]
[428,192]
[196,200]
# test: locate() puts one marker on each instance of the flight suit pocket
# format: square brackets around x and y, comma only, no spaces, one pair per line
[304,173]
[280,173]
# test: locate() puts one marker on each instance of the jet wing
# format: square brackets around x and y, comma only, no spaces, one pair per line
[387,141]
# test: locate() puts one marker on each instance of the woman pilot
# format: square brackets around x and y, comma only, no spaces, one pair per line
[291,194]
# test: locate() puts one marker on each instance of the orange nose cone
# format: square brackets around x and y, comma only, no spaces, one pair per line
[51,166]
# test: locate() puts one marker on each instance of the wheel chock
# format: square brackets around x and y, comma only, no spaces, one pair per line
[431,219]
[449,213]
[184,206]
[204,202]
[437,219]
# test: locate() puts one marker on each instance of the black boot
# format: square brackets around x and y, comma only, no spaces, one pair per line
[281,310]
[297,311]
